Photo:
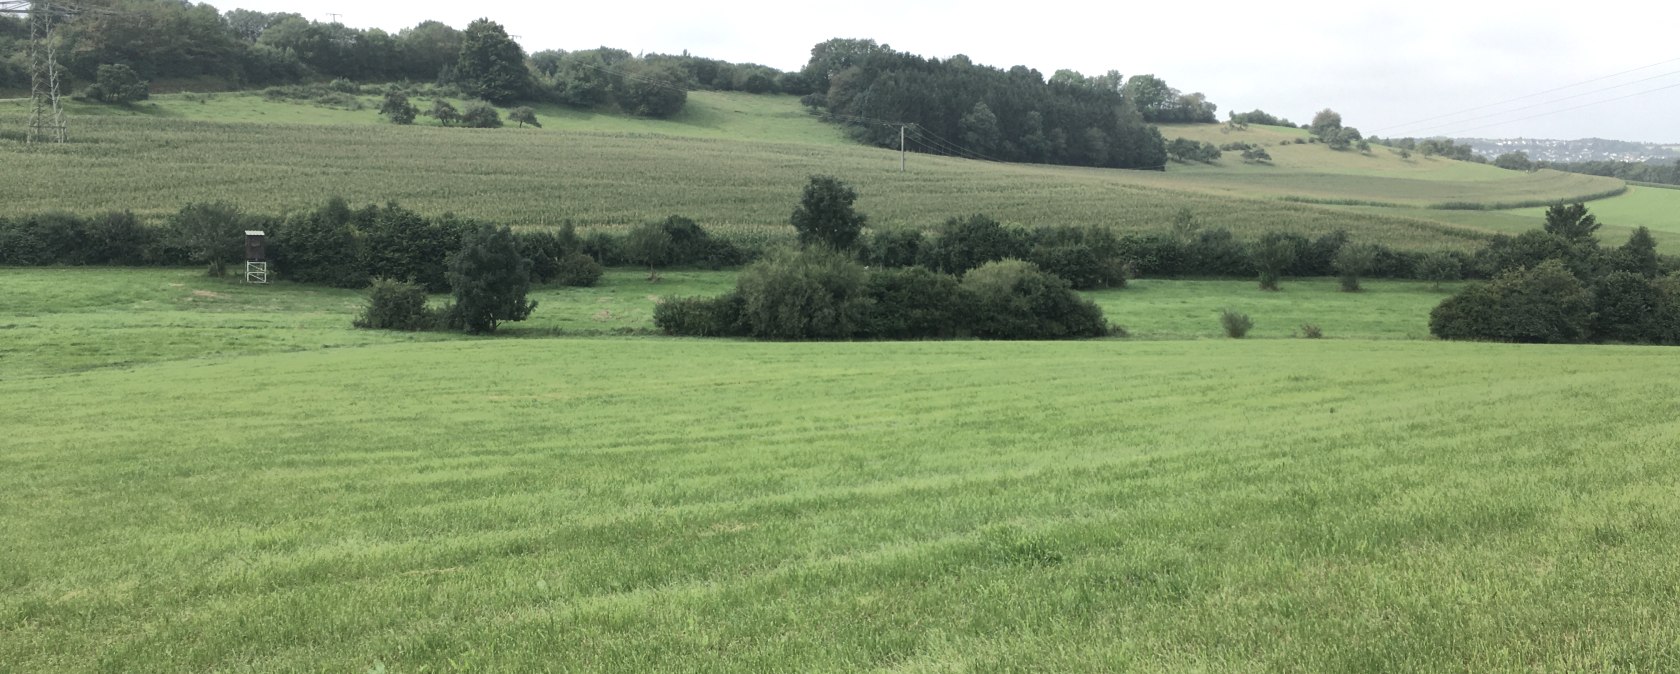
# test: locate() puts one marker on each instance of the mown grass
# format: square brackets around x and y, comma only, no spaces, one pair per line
[75,319]
[731,159]
[658,505]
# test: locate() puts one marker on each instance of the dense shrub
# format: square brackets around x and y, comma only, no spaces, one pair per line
[396,305]
[489,279]
[480,115]
[892,247]
[1352,262]
[1272,254]
[320,246]
[400,244]
[1628,307]
[701,316]
[1216,252]
[962,244]
[1546,304]
[1439,267]
[1236,324]
[812,294]
[1014,299]
[1087,257]
[916,303]
[212,234]
[577,271]
[1311,331]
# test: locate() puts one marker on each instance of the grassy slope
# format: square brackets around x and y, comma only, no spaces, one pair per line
[729,159]
[69,320]
[644,505]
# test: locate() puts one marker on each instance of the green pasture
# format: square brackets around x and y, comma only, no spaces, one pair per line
[75,319]
[728,160]
[689,505]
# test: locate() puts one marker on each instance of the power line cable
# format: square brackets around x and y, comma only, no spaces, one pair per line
[1545,103]
[1555,112]
[1526,97]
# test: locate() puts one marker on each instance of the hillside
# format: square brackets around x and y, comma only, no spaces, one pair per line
[732,160]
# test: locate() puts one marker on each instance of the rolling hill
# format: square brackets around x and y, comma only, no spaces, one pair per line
[734,159]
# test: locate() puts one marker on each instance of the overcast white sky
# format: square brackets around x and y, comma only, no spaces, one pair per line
[1382,65]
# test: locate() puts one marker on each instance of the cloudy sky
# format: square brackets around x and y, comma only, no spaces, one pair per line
[1390,68]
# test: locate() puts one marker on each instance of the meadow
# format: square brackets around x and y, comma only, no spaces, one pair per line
[728,160]
[75,319]
[690,505]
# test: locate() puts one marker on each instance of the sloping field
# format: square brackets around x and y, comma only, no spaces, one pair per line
[729,159]
[519,505]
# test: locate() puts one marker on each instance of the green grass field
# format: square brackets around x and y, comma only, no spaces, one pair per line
[76,319]
[728,160]
[660,504]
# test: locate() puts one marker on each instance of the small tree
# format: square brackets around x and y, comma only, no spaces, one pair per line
[117,83]
[1272,254]
[210,232]
[1572,222]
[650,244]
[396,305]
[397,108]
[480,115]
[825,215]
[524,115]
[489,279]
[1353,261]
[1438,267]
[444,113]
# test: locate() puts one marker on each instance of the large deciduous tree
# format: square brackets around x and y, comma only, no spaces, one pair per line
[491,65]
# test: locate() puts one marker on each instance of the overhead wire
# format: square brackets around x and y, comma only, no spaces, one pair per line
[1527,96]
[1570,109]
[1543,103]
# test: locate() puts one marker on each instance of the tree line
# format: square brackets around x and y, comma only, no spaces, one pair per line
[172,40]
[1559,284]
[1647,172]
[959,107]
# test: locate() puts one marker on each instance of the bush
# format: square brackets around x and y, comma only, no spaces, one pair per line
[1088,257]
[813,294]
[1272,254]
[889,248]
[117,83]
[212,234]
[546,249]
[490,280]
[700,317]
[1546,304]
[396,305]
[577,271]
[1014,299]
[966,243]
[1628,308]
[1439,267]
[1352,262]
[396,108]
[401,244]
[915,303]
[1236,324]
[480,115]
[320,247]
[1310,331]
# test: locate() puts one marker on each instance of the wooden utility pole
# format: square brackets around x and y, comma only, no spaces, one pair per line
[903,153]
